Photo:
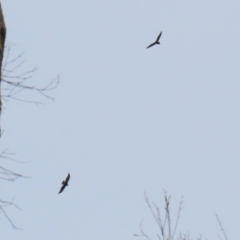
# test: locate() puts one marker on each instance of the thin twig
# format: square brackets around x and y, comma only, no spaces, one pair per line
[221,226]
[158,216]
[4,155]
[178,216]
[146,199]
[1,208]
[143,233]
[167,201]
[14,82]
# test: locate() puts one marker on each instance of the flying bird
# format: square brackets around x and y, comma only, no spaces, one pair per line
[157,40]
[64,183]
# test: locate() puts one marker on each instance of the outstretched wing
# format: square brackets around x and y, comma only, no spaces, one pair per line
[67,179]
[151,45]
[160,34]
[62,188]
[64,183]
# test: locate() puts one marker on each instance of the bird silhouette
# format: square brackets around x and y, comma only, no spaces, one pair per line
[64,183]
[157,40]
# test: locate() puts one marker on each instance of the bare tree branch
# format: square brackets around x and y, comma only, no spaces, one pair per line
[7,174]
[12,83]
[15,82]
[164,223]
[178,216]
[6,215]
[143,234]
[221,226]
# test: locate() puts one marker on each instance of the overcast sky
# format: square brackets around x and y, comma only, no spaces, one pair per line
[125,119]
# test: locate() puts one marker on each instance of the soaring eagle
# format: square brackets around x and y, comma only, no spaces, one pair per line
[157,40]
[64,183]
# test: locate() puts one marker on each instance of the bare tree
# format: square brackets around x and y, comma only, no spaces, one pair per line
[167,229]
[164,222]
[12,82]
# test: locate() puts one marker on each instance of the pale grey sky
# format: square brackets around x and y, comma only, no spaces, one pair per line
[125,119]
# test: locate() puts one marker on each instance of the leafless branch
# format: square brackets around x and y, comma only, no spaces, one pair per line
[156,219]
[167,201]
[5,203]
[15,82]
[221,226]
[5,173]
[8,175]
[143,234]
[178,216]
[164,223]
[5,154]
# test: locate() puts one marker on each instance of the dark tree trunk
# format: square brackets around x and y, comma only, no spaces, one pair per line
[2,41]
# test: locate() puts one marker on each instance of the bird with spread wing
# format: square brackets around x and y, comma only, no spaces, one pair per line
[157,40]
[64,183]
